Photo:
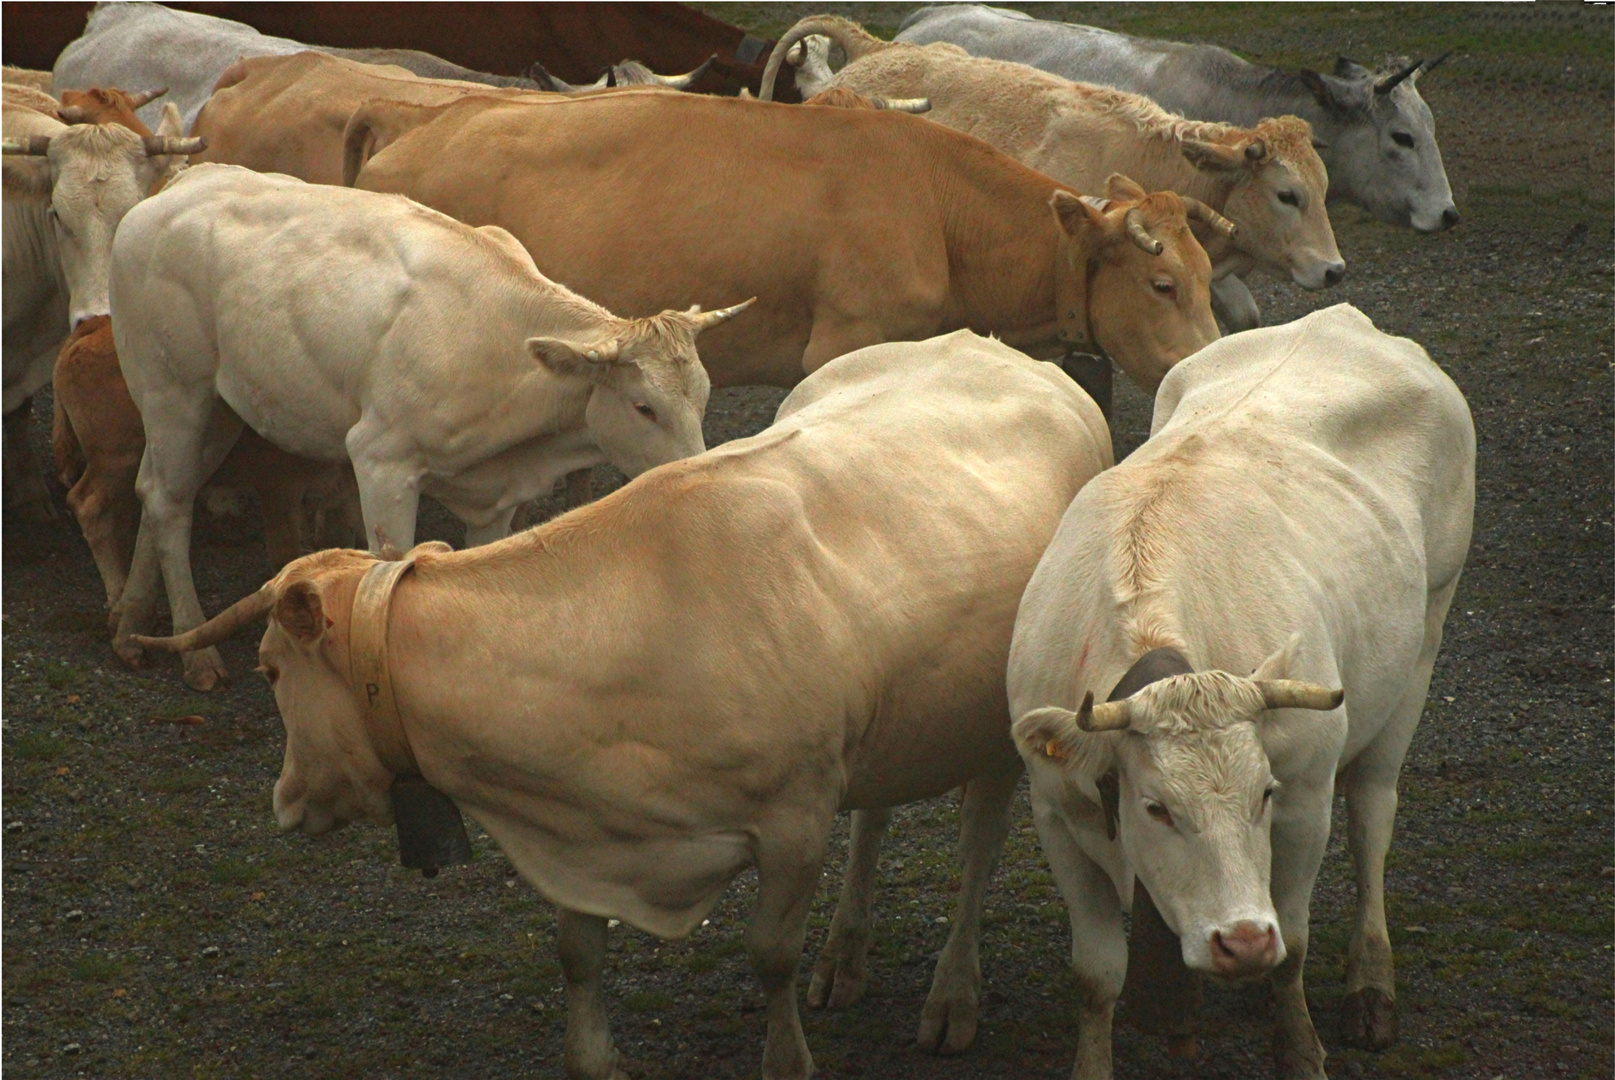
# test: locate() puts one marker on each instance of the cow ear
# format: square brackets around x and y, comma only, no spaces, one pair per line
[1347,68]
[1278,665]
[300,612]
[170,123]
[1212,157]
[1319,89]
[1050,732]
[573,358]
[1124,188]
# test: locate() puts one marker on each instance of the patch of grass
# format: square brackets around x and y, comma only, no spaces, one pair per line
[1405,1059]
[234,872]
[59,675]
[644,1001]
[95,968]
[177,781]
[1519,851]
[37,747]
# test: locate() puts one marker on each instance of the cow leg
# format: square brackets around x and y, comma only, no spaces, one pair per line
[25,492]
[589,1053]
[836,337]
[103,501]
[788,869]
[389,491]
[1300,834]
[497,529]
[280,501]
[842,972]
[1233,305]
[1098,941]
[948,1020]
[579,488]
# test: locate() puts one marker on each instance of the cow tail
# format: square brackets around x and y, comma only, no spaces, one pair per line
[854,40]
[358,143]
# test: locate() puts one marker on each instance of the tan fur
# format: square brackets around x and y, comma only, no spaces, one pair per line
[38,80]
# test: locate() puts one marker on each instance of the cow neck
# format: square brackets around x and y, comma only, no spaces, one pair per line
[369,671]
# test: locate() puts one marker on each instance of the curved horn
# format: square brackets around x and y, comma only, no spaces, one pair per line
[1290,694]
[1199,211]
[908,105]
[157,145]
[32,146]
[706,320]
[1107,716]
[540,74]
[1133,221]
[1431,65]
[1391,82]
[1256,150]
[146,97]
[216,629]
[685,81]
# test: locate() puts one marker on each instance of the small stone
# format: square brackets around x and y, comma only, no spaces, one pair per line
[72,1048]
[1608,871]
[537,1006]
[211,951]
[612,924]
[120,992]
[941,920]
[13,826]
[74,916]
[1417,930]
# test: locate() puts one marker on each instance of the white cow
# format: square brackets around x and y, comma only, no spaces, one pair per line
[693,675]
[343,324]
[66,188]
[1302,510]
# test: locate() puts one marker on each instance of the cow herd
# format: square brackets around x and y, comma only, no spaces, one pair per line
[348,278]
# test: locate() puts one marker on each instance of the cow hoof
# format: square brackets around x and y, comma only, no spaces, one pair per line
[838,981]
[1368,1019]
[204,669]
[129,654]
[948,1024]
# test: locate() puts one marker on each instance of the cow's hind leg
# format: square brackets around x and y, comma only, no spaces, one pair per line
[588,1053]
[788,869]
[948,1020]
[842,973]
[1300,834]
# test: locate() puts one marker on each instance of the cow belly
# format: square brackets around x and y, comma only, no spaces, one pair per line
[664,886]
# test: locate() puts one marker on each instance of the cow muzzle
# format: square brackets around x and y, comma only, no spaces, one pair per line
[1244,949]
[431,832]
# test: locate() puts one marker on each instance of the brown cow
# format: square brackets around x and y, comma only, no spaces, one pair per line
[851,226]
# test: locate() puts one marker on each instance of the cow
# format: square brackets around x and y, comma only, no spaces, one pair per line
[1302,510]
[810,620]
[343,325]
[851,226]
[1267,179]
[65,190]
[626,73]
[37,80]
[1376,134]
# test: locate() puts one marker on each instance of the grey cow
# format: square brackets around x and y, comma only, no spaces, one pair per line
[1375,133]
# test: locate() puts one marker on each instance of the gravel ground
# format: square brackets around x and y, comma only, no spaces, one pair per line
[156,925]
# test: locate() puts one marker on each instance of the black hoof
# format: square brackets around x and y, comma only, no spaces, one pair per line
[1368,1020]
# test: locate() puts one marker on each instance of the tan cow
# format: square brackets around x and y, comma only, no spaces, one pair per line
[36,80]
[696,673]
[852,226]
[1267,179]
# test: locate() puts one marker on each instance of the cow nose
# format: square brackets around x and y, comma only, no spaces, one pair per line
[1244,949]
[1450,217]
[1333,275]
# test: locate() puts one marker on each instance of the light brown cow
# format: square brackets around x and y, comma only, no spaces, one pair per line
[1267,179]
[37,80]
[851,226]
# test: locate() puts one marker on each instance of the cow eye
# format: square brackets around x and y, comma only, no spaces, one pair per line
[1290,198]
[1165,288]
[645,410]
[1159,813]
[1402,138]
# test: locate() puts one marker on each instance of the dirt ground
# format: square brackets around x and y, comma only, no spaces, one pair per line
[155,924]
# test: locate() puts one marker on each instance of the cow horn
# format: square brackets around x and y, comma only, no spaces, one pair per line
[706,320]
[1107,716]
[908,105]
[158,145]
[72,114]
[1391,82]
[1133,221]
[1289,694]
[146,97]
[685,81]
[1431,65]
[243,611]
[540,74]
[1199,211]
[32,146]
[1256,150]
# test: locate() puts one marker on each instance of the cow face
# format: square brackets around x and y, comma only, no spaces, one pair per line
[1277,199]
[330,774]
[1381,143]
[1148,280]
[98,173]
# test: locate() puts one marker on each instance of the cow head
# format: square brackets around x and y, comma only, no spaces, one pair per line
[1381,142]
[1134,278]
[1277,196]
[97,174]
[649,390]
[1196,799]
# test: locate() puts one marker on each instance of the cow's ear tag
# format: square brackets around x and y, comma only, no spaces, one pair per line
[431,832]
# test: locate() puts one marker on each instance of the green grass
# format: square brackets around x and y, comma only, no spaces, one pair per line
[177,781]
[234,872]
[95,968]
[36,747]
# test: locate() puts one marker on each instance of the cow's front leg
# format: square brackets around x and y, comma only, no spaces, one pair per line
[389,487]
[788,869]
[1098,938]
[1233,305]
[1300,834]
[589,1053]
[497,527]
[842,972]
[948,1020]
